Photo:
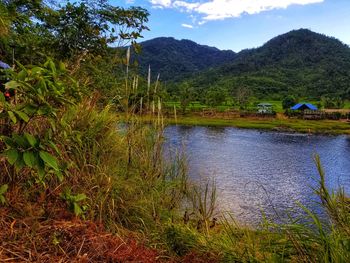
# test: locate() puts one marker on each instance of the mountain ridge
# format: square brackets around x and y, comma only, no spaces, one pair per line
[299,62]
[175,59]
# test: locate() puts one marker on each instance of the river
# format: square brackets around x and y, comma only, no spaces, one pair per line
[257,171]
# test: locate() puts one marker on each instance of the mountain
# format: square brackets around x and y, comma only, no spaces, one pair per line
[300,62]
[176,59]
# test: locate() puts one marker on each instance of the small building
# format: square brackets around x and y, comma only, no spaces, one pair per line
[308,111]
[265,108]
[304,106]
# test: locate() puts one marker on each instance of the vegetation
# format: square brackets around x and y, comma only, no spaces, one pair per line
[176,59]
[80,183]
[276,124]
[288,102]
[300,63]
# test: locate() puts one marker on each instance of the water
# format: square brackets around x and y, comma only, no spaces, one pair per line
[259,171]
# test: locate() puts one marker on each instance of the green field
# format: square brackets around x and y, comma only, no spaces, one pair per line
[297,125]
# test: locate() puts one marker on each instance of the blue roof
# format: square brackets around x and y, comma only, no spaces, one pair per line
[3,65]
[308,105]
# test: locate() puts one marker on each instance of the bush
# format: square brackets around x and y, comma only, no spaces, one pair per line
[288,102]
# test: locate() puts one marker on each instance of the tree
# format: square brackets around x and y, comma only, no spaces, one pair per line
[288,102]
[243,95]
[332,103]
[186,95]
[67,31]
[89,27]
[215,96]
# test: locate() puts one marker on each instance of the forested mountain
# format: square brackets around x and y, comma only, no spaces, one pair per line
[176,59]
[300,62]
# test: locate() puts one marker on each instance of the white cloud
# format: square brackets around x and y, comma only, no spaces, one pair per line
[162,3]
[187,25]
[221,9]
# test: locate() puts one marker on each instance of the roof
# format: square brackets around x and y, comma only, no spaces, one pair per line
[304,105]
[3,65]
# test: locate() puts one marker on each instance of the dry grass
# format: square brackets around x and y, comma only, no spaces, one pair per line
[66,240]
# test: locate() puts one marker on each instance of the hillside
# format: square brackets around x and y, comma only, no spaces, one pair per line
[176,59]
[300,62]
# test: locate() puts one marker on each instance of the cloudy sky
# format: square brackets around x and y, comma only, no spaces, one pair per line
[239,24]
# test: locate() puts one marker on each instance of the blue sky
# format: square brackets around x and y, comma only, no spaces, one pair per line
[240,24]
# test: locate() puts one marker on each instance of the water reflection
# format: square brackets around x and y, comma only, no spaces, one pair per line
[257,170]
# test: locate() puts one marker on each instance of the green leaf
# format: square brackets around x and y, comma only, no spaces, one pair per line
[12,117]
[41,172]
[3,189]
[2,98]
[37,70]
[52,67]
[29,159]
[8,141]
[54,147]
[49,160]
[12,84]
[80,197]
[22,115]
[19,164]
[42,85]
[59,176]
[31,139]
[30,109]
[22,74]
[12,155]
[77,209]
[61,66]
[20,140]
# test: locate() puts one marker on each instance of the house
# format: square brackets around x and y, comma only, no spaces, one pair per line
[264,108]
[304,106]
[308,111]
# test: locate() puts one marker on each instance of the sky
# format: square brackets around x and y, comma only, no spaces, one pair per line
[241,24]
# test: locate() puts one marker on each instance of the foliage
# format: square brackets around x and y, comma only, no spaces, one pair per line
[176,59]
[288,102]
[41,91]
[186,95]
[82,28]
[180,240]
[69,31]
[3,190]
[242,97]
[73,202]
[215,96]
[299,63]
[332,103]
[203,200]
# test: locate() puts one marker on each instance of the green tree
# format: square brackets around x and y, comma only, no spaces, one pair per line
[89,28]
[186,96]
[40,28]
[243,95]
[215,96]
[288,102]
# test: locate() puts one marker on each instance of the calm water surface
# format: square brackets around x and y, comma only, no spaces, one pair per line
[262,171]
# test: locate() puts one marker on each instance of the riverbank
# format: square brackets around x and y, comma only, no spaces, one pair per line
[277,124]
